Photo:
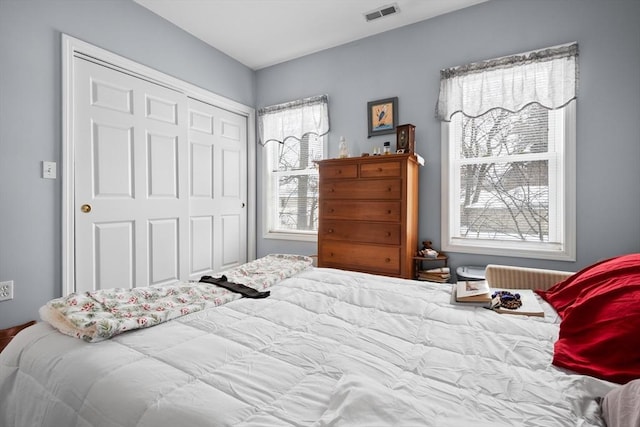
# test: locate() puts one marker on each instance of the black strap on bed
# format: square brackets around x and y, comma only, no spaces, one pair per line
[235,287]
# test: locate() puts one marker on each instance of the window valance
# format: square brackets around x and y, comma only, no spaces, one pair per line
[294,119]
[548,77]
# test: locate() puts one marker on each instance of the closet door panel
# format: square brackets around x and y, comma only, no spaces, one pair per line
[164,251]
[130,183]
[202,243]
[114,254]
[113,156]
[218,187]
[163,165]
[231,247]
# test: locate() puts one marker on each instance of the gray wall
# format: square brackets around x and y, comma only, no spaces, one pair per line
[30,119]
[403,63]
[406,63]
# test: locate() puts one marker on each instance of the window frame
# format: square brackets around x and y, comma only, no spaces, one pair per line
[269,213]
[567,195]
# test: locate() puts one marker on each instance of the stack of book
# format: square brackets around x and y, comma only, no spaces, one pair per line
[438,275]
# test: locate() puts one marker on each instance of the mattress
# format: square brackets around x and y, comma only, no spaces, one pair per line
[326,348]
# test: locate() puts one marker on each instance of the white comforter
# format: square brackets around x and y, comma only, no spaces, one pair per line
[327,348]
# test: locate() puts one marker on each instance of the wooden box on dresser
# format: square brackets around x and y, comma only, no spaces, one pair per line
[368,217]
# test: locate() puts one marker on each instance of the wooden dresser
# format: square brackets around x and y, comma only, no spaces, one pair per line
[368,219]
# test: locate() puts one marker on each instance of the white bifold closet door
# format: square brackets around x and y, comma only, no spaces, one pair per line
[160,182]
[218,188]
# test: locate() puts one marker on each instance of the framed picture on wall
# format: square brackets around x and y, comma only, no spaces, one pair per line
[383,116]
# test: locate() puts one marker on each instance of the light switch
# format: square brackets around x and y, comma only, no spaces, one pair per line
[49,170]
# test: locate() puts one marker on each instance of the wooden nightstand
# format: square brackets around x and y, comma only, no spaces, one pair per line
[420,268]
[6,335]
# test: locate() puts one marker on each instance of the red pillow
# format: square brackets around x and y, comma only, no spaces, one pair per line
[600,328]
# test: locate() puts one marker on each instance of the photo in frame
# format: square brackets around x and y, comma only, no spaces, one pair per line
[382,116]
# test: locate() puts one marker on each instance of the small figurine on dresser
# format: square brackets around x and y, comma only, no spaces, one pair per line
[427,251]
[344,151]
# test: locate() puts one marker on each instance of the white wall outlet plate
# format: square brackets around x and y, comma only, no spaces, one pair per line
[6,290]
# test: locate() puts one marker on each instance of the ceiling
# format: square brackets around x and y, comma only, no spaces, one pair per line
[261,33]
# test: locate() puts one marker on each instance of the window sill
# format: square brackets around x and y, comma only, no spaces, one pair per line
[512,249]
[300,237]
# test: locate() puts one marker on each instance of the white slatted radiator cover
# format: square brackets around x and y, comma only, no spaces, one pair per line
[510,277]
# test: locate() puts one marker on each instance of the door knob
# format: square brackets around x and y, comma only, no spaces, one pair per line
[85,208]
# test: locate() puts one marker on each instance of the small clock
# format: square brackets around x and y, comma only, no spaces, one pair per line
[405,135]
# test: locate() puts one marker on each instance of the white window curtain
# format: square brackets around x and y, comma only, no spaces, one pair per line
[548,77]
[294,119]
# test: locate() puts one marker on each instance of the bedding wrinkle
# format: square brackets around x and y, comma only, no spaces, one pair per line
[192,376]
[40,394]
[103,402]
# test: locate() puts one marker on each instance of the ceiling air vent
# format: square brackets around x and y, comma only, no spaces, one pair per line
[381,11]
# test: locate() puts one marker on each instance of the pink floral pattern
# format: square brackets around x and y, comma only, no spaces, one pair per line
[99,315]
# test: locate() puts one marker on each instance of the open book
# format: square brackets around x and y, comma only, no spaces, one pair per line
[454,299]
[473,291]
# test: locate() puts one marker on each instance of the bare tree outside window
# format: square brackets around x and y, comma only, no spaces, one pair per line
[504,175]
[297,183]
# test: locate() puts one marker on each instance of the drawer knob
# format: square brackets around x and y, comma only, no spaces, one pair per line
[330,230]
[389,211]
[333,190]
[389,189]
[387,260]
[379,169]
[331,210]
[339,171]
[388,234]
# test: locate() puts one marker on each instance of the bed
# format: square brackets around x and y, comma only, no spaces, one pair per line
[325,348]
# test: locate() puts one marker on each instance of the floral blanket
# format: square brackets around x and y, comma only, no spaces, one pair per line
[99,315]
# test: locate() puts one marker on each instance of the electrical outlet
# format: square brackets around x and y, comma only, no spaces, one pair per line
[6,290]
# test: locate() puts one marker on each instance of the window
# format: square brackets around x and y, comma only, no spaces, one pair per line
[293,185]
[294,137]
[509,170]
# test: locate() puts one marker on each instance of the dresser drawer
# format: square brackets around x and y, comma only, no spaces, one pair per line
[386,189]
[370,258]
[380,169]
[339,171]
[361,210]
[359,231]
